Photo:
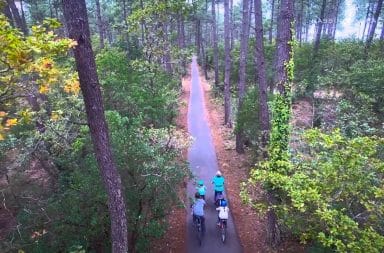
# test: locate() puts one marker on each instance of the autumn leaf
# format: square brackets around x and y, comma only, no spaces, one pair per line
[72,44]
[11,122]
[3,114]
[44,89]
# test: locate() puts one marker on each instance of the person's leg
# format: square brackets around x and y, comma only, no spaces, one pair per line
[202,223]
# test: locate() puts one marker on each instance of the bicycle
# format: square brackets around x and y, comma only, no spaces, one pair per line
[223,229]
[199,228]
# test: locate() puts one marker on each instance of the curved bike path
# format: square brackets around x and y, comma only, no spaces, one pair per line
[203,164]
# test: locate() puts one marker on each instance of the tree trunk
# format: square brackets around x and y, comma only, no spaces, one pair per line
[215,48]
[320,26]
[284,48]
[16,16]
[299,26]
[284,53]
[242,72]
[7,12]
[231,23]
[336,18]
[382,31]
[374,23]
[272,17]
[75,14]
[366,20]
[227,68]
[167,54]
[100,24]
[197,39]
[23,20]
[262,78]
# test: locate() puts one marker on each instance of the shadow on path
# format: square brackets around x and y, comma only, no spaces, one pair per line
[203,164]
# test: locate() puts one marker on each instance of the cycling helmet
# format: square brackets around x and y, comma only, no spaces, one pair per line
[223,203]
[197,195]
[218,173]
[200,183]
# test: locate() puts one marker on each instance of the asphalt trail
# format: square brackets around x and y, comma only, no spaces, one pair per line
[203,163]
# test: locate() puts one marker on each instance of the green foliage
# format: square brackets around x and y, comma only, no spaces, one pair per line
[248,117]
[333,193]
[137,88]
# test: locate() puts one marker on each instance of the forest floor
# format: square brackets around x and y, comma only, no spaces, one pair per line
[250,225]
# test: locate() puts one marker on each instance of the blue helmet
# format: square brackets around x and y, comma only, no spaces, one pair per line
[223,203]
[200,182]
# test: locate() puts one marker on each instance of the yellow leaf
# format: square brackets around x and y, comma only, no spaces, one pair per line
[72,86]
[72,44]
[55,116]
[1,137]
[44,89]
[11,122]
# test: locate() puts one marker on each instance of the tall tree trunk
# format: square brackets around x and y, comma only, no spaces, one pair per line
[126,26]
[336,18]
[16,16]
[366,20]
[23,20]
[227,68]
[299,26]
[382,31]
[284,54]
[374,23]
[284,48]
[7,12]
[75,14]
[242,72]
[272,17]
[231,23]
[215,47]
[262,78]
[100,24]
[308,21]
[167,54]
[181,38]
[320,26]
[198,38]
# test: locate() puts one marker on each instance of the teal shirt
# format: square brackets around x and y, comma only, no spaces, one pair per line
[218,183]
[201,190]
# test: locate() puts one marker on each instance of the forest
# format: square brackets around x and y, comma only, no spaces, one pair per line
[95,143]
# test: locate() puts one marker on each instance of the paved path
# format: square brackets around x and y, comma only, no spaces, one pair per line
[203,163]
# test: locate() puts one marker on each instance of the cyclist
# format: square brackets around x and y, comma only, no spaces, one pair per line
[201,189]
[219,199]
[198,210]
[218,182]
[223,211]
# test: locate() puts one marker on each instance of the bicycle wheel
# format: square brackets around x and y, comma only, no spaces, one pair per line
[223,231]
[199,232]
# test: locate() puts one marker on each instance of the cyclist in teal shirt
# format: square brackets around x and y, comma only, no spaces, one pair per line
[218,182]
[201,188]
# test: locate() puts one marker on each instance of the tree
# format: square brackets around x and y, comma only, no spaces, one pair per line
[227,67]
[242,72]
[16,15]
[319,26]
[75,14]
[100,24]
[215,48]
[278,149]
[262,78]
[372,29]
